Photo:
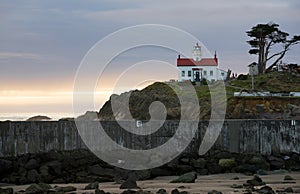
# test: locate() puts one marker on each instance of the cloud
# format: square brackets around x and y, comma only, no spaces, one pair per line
[15,55]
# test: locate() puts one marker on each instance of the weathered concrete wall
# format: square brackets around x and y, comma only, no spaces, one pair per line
[250,136]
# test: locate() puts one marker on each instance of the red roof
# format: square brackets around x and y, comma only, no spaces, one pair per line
[202,62]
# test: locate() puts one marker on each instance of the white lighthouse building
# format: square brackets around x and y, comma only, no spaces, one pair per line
[198,68]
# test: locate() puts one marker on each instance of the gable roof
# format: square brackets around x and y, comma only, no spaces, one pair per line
[202,62]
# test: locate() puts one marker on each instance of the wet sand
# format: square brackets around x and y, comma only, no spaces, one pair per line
[203,184]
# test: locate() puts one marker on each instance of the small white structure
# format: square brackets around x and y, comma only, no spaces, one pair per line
[253,68]
[198,68]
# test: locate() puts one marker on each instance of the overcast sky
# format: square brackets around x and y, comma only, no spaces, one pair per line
[43,42]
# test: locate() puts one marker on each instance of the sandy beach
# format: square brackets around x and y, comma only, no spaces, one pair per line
[203,184]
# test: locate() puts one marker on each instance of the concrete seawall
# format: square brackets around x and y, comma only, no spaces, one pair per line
[241,136]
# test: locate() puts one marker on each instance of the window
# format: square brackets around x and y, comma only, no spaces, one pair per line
[182,73]
[189,73]
[211,73]
[222,74]
[204,73]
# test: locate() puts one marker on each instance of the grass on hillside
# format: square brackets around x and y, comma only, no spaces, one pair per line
[271,82]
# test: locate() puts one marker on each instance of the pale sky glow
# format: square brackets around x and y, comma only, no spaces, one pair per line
[43,43]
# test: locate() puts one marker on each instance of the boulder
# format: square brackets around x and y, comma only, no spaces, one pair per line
[227,163]
[183,168]
[129,192]
[260,162]
[199,163]
[160,171]
[256,181]
[265,190]
[247,168]
[6,190]
[221,154]
[292,165]
[276,162]
[65,189]
[59,181]
[38,188]
[214,192]
[130,183]
[161,191]
[31,164]
[100,171]
[94,185]
[288,178]
[213,167]
[186,178]
[5,166]
[32,176]
[288,190]
[98,191]
[142,174]
[175,191]
[54,167]
[44,170]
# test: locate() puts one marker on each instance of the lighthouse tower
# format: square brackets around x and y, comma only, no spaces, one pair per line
[197,52]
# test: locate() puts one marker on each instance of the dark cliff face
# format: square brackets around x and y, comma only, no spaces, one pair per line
[140,101]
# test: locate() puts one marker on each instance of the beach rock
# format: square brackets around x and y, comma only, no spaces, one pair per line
[186,178]
[214,192]
[142,174]
[98,191]
[5,166]
[292,165]
[288,178]
[129,192]
[161,191]
[227,163]
[65,189]
[160,171]
[54,167]
[221,154]
[6,191]
[31,164]
[199,163]
[247,168]
[175,191]
[213,167]
[94,185]
[265,190]
[260,162]
[130,183]
[295,157]
[262,172]
[202,171]
[182,168]
[44,170]
[286,190]
[32,176]
[38,188]
[59,181]
[276,162]
[256,181]
[100,171]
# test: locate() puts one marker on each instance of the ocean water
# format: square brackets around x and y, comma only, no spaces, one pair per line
[24,116]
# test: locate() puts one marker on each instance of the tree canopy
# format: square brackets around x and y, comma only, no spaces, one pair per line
[264,38]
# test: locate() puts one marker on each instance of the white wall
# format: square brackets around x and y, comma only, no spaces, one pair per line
[216,73]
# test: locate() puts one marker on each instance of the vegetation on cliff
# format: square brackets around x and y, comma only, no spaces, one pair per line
[237,107]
